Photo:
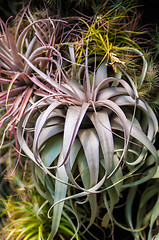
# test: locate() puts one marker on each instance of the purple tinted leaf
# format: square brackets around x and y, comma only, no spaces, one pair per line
[14,51]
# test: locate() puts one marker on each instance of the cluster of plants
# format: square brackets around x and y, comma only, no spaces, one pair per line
[78,125]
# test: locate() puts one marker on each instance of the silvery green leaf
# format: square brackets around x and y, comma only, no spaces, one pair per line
[102,125]
[90,144]
[101,73]
[74,118]
[60,188]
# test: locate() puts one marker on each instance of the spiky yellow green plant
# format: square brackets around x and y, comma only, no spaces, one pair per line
[28,220]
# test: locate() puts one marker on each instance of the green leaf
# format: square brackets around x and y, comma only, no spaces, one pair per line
[102,125]
[74,117]
[51,149]
[61,189]
[90,144]
[101,73]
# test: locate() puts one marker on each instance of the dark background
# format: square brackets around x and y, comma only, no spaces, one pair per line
[149,9]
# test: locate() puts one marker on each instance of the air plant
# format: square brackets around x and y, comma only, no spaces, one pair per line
[19,83]
[92,134]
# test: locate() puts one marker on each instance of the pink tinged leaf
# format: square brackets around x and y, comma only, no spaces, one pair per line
[4,66]
[5,52]
[37,52]
[21,38]
[102,125]
[72,56]
[14,51]
[10,63]
[10,85]
[8,72]
[86,81]
[74,118]
[19,23]
[12,109]
[39,32]
[4,46]
[31,46]
[41,85]
[76,89]
[4,81]
[53,83]
[13,92]
[90,144]
[25,101]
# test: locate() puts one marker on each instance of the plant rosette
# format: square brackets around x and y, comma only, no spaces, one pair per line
[88,135]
